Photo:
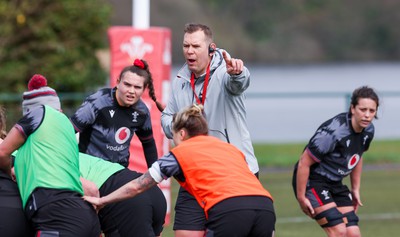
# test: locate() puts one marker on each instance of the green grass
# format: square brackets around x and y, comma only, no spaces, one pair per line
[380,191]
[286,155]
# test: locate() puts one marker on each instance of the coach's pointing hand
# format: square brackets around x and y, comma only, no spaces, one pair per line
[234,66]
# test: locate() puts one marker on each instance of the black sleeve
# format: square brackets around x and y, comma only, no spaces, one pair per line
[31,121]
[150,151]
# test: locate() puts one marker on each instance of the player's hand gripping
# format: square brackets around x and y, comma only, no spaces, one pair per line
[95,201]
[306,206]
[356,200]
[234,66]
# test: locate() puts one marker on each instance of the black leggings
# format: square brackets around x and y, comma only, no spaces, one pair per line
[13,222]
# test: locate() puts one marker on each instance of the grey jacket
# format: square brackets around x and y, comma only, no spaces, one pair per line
[224,107]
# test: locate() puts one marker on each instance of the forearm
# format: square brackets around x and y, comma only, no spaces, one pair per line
[237,84]
[355,176]
[303,173]
[130,189]
[3,160]
[5,165]
[150,151]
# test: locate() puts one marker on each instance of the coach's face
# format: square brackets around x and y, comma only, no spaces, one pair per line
[195,51]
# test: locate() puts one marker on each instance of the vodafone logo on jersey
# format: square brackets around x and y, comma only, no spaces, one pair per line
[122,135]
[353,161]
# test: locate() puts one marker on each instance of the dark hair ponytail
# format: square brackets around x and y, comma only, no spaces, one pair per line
[150,86]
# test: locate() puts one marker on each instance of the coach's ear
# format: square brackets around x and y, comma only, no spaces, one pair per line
[211,49]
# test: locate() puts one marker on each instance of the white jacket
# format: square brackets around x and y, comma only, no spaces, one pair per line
[224,108]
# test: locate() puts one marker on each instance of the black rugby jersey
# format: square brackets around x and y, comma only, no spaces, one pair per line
[336,148]
[106,128]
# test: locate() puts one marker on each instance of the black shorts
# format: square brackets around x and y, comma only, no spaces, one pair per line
[242,216]
[13,222]
[188,213]
[321,192]
[61,213]
[143,215]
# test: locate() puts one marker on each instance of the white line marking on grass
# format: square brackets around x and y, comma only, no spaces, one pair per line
[378,216]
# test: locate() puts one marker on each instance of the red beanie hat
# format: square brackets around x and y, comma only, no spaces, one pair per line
[39,94]
[37,81]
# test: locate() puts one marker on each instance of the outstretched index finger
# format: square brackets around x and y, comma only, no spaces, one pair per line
[227,58]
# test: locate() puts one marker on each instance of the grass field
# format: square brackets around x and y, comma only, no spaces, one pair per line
[380,191]
[285,155]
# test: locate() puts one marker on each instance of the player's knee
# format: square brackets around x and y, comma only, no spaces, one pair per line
[329,218]
[351,217]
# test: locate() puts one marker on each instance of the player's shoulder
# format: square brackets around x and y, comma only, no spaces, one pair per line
[333,122]
[101,93]
[141,107]
[100,99]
